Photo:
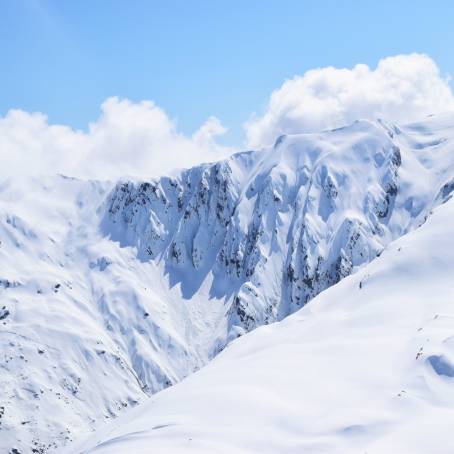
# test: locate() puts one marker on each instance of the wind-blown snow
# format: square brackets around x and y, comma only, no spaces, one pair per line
[112,292]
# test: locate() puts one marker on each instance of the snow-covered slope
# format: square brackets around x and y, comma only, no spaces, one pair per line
[367,366]
[86,328]
[267,231]
[112,292]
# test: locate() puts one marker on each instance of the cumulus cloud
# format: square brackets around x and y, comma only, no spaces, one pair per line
[403,88]
[136,139]
[139,139]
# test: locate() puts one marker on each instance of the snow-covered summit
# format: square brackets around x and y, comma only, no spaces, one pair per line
[112,292]
[269,230]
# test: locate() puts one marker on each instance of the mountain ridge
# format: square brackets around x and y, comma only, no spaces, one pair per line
[144,282]
[367,366]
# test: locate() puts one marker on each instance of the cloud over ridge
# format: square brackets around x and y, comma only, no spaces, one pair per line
[136,139]
[402,88]
[140,139]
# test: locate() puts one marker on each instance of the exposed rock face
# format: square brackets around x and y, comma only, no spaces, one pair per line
[273,229]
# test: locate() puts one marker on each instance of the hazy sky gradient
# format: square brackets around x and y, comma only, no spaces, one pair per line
[196,59]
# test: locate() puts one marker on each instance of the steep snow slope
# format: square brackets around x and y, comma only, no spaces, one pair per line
[110,293]
[367,366]
[86,329]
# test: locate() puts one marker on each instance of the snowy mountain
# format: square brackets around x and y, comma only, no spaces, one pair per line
[112,292]
[367,366]
[265,232]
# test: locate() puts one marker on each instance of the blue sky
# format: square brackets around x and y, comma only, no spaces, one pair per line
[197,58]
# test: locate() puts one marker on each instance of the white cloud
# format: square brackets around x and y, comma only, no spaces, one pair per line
[128,139]
[139,139]
[403,88]
[206,134]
